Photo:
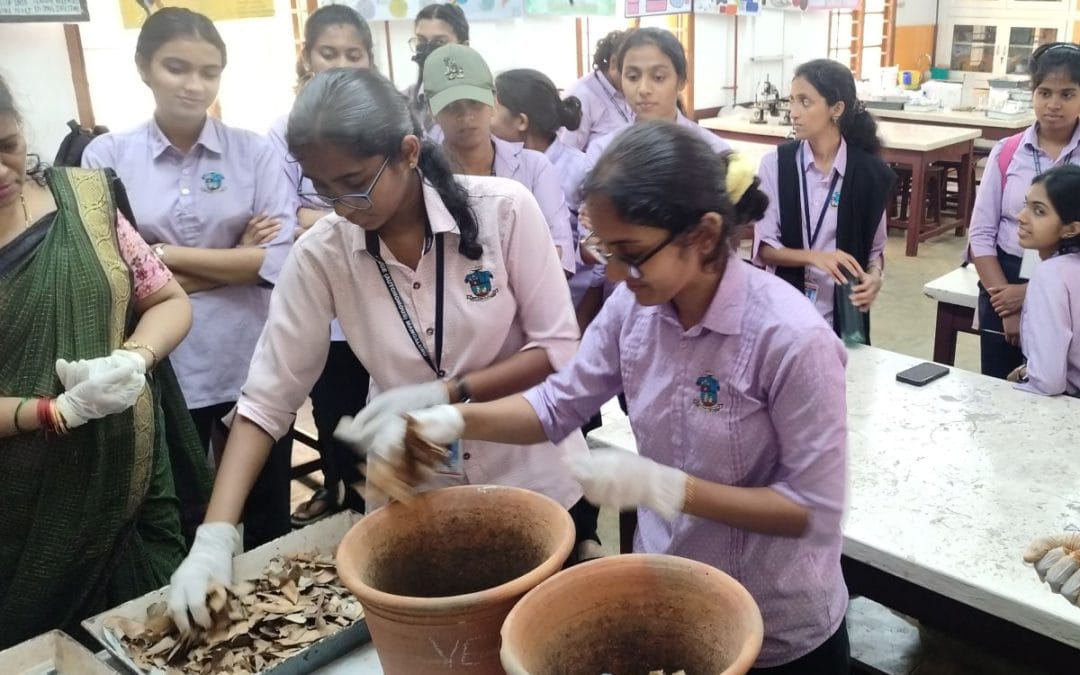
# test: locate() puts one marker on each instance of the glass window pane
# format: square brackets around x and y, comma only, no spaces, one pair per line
[873,28]
[973,48]
[874,5]
[871,58]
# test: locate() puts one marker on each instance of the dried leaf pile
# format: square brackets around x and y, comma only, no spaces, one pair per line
[398,481]
[256,624]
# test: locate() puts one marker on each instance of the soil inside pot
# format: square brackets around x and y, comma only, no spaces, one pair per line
[455,560]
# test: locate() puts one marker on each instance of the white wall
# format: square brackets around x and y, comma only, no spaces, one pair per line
[34,63]
[917,12]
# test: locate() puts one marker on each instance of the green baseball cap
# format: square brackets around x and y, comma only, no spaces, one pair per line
[457,72]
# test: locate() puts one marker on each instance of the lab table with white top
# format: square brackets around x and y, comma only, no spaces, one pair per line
[957,295]
[992,128]
[948,484]
[913,145]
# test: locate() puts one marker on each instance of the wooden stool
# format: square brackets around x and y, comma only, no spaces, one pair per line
[901,201]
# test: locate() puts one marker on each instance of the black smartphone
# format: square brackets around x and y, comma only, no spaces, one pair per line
[922,374]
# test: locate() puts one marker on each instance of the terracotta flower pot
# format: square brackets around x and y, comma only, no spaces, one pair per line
[632,614]
[437,577]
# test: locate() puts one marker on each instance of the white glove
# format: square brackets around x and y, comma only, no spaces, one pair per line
[74,372]
[1057,561]
[360,431]
[624,480]
[210,560]
[107,394]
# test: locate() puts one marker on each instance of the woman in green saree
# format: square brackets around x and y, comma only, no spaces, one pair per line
[90,432]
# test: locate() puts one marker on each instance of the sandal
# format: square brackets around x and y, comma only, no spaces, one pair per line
[315,509]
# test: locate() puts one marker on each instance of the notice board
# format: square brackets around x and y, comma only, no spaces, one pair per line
[134,12]
[43,10]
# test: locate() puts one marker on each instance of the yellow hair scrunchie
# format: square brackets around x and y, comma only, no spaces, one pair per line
[740,176]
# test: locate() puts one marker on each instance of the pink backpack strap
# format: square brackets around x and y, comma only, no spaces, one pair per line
[1012,143]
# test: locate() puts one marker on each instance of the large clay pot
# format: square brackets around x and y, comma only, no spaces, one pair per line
[438,576]
[632,614]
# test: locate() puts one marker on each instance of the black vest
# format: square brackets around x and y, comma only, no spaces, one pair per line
[868,183]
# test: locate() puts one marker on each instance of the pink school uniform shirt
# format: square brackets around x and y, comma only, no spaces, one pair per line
[603,111]
[767,230]
[205,199]
[513,298]
[753,396]
[993,220]
[1049,323]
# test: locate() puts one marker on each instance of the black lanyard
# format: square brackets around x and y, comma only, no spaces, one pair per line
[611,97]
[811,238]
[1038,162]
[440,263]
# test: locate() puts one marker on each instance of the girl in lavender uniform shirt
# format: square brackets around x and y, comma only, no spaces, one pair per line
[335,36]
[214,204]
[1050,321]
[528,110]
[653,67]
[993,245]
[604,109]
[461,93]
[735,388]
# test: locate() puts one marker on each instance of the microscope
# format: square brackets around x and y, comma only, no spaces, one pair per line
[766,99]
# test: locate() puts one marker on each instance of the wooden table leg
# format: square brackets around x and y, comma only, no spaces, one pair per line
[963,184]
[951,320]
[917,211]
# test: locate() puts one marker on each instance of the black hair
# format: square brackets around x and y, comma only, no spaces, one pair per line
[337,15]
[666,42]
[834,81]
[452,14]
[1053,57]
[607,49]
[1062,184]
[170,23]
[666,195]
[533,94]
[362,111]
[35,168]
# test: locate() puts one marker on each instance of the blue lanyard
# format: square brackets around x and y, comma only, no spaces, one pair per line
[1038,162]
[811,238]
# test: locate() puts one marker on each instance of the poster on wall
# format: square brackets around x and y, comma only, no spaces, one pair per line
[43,10]
[570,7]
[635,8]
[811,5]
[134,12]
[475,10]
[728,7]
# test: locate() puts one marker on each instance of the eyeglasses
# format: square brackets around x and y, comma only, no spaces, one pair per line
[360,201]
[416,42]
[600,250]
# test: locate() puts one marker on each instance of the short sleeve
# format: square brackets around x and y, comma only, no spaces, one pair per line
[149,273]
[986,214]
[767,230]
[1046,331]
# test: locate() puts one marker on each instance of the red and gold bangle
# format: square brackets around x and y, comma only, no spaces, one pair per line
[43,416]
[59,423]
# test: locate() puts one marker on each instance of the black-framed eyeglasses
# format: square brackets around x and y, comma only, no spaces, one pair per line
[416,42]
[633,265]
[360,201]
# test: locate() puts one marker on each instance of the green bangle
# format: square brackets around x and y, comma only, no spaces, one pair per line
[18,409]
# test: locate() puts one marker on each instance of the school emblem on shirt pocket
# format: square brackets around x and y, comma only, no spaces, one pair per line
[213,182]
[479,281]
[708,393]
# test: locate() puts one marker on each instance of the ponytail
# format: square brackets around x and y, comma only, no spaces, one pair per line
[436,171]
[833,80]
[570,113]
[524,91]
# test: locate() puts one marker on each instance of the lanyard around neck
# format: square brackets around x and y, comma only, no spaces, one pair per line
[611,97]
[434,363]
[811,237]
[1038,162]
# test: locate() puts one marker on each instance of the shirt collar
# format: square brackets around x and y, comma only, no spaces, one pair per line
[1030,140]
[839,163]
[725,313]
[209,137]
[606,86]
[507,160]
[438,216]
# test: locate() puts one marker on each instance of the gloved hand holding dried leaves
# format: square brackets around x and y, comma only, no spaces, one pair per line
[397,473]
[256,624]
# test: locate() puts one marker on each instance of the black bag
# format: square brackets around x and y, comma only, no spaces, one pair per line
[73,145]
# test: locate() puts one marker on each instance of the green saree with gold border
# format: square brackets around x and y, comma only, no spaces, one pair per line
[91,519]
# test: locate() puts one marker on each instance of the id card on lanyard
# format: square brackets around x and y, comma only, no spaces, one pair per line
[433,361]
[833,201]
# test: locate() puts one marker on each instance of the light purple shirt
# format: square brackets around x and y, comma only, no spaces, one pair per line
[993,220]
[603,111]
[573,165]
[754,396]
[1048,327]
[597,147]
[533,170]
[205,199]
[767,230]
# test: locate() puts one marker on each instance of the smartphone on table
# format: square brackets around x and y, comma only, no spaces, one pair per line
[922,374]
